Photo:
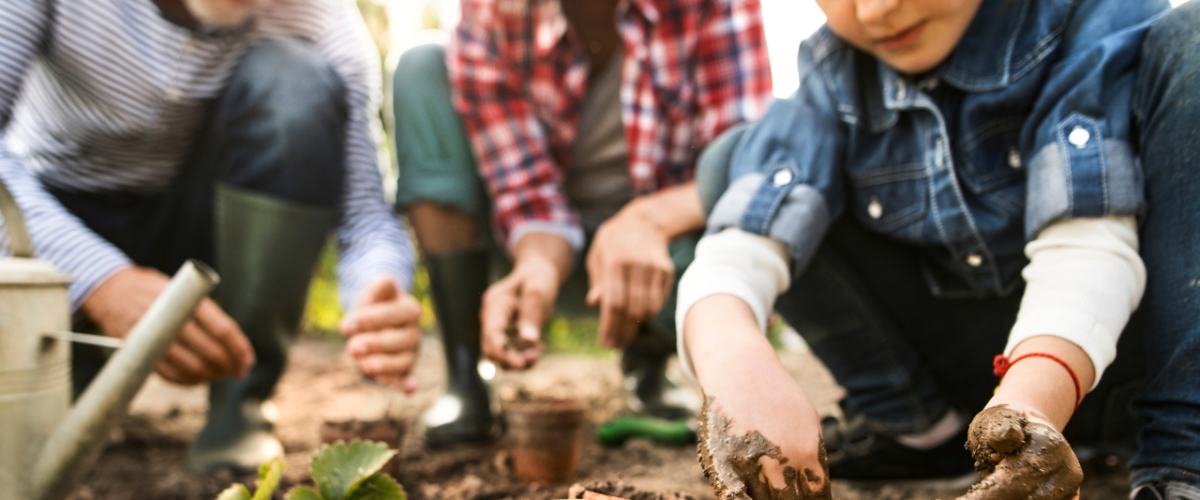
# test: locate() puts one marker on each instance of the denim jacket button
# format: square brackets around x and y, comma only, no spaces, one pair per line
[974,260]
[874,208]
[781,178]
[1079,137]
[901,89]
[1014,158]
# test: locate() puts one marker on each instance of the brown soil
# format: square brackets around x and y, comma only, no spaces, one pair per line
[609,490]
[145,459]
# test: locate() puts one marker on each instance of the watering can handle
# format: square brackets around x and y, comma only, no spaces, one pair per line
[18,236]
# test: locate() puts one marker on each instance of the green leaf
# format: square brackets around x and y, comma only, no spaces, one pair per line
[235,492]
[302,493]
[337,468]
[269,475]
[376,487]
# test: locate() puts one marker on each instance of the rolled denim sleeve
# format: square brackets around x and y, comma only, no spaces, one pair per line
[785,180]
[1079,134]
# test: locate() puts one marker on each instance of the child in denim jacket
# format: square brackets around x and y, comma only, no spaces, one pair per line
[953,180]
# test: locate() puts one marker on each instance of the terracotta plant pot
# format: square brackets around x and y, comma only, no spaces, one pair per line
[387,430]
[545,437]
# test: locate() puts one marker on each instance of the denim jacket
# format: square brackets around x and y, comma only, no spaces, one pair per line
[1028,121]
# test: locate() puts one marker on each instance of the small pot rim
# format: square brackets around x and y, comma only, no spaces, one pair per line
[545,406]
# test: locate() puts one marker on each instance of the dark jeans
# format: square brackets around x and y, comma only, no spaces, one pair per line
[906,357]
[1167,110]
[278,130]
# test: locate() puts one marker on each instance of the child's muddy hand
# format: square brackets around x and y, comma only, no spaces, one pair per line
[749,467]
[1021,457]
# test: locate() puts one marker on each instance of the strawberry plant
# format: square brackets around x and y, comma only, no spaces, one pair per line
[268,480]
[340,472]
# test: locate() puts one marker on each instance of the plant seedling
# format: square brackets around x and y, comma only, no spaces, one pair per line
[268,480]
[340,472]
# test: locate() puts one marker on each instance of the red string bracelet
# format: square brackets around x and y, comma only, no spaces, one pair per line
[1002,364]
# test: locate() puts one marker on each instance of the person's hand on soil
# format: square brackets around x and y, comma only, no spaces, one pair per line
[385,333]
[1021,456]
[210,347]
[1017,440]
[760,436]
[631,275]
[523,301]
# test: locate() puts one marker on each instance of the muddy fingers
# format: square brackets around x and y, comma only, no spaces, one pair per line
[1020,458]
[734,464]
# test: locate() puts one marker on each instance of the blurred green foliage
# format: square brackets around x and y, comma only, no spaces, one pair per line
[323,311]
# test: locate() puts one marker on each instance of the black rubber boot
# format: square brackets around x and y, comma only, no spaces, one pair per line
[464,413]
[266,249]
[644,363]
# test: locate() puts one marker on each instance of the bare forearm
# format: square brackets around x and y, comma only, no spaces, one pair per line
[721,333]
[1042,384]
[547,251]
[751,396]
[673,211]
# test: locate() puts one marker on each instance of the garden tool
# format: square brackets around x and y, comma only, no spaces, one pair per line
[45,444]
[621,429]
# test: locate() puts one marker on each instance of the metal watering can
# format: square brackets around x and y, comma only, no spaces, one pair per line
[45,444]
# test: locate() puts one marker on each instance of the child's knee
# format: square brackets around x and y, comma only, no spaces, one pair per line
[1174,41]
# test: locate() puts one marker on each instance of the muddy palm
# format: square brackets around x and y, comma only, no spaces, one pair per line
[1021,458]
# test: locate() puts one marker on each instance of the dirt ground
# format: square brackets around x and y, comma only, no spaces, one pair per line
[145,459]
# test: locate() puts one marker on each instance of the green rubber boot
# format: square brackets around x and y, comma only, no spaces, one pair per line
[266,249]
[464,413]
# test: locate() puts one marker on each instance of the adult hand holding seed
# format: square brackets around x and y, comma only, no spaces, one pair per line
[385,333]
[524,299]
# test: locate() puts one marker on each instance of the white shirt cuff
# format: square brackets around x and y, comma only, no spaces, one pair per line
[1084,279]
[733,262]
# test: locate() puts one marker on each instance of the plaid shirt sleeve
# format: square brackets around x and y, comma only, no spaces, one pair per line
[510,144]
[733,74]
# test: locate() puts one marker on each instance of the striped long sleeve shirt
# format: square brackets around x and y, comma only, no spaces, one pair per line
[109,96]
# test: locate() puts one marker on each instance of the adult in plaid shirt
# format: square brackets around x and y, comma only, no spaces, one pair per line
[577,126]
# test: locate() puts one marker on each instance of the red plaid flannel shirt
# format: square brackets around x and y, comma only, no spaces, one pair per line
[691,69]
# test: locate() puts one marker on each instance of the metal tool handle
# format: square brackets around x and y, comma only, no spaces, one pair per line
[14,222]
[78,440]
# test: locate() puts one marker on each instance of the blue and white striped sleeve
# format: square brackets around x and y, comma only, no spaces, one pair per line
[371,240]
[58,236]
